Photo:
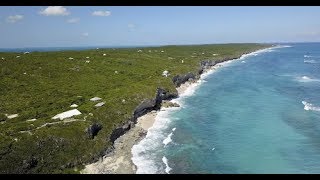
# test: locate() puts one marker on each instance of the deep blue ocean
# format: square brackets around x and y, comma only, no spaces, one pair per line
[258,114]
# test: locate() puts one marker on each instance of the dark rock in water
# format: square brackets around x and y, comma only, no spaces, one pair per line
[30,163]
[93,130]
[180,79]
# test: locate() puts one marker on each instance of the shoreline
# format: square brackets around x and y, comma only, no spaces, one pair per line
[120,160]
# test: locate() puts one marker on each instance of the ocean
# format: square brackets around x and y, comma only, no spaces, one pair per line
[259,114]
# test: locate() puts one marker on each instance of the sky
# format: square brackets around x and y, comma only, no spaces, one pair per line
[66,26]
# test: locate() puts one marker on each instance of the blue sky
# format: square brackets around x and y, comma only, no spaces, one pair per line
[43,26]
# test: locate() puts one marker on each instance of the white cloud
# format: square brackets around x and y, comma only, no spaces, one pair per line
[85,34]
[15,18]
[55,11]
[101,13]
[73,20]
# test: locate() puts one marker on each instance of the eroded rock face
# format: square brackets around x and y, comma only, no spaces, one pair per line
[143,108]
[161,95]
[93,130]
[167,104]
[206,64]
[121,131]
[180,79]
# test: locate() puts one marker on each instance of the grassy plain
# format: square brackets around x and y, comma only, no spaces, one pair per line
[42,84]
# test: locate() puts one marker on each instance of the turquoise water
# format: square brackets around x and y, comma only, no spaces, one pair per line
[259,114]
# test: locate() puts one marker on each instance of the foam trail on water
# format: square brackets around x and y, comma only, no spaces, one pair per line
[168,139]
[309,106]
[310,61]
[306,79]
[165,161]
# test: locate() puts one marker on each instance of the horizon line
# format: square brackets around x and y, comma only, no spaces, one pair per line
[159,45]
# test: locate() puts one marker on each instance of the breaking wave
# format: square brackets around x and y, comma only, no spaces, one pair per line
[309,106]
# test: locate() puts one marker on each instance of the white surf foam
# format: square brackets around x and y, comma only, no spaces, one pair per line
[309,106]
[286,46]
[310,61]
[144,153]
[307,79]
[165,161]
[167,140]
[307,56]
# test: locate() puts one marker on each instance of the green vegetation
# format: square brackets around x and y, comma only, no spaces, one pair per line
[42,84]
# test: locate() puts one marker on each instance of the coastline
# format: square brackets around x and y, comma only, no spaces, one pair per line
[120,160]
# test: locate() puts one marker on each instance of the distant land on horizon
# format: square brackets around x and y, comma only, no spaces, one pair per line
[62,48]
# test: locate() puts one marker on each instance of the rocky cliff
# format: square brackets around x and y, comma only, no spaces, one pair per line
[146,106]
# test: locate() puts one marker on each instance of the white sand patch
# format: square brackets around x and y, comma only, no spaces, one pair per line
[99,104]
[146,121]
[74,105]
[67,114]
[11,116]
[165,73]
[31,120]
[95,99]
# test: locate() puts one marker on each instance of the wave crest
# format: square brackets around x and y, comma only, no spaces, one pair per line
[307,79]
[310,61]
[165,161]
[309,106]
